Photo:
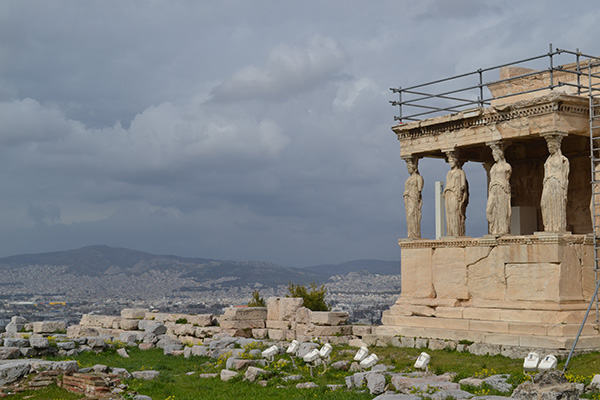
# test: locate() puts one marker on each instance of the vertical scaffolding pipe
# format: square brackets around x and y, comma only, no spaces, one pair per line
[439,210]
[400,104]
[480,87]
[579,72]
[551,68]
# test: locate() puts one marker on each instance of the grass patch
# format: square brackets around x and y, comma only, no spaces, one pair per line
[50,392]
[174,382]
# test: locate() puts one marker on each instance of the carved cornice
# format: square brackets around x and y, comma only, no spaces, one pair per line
[552,103]
[506,240]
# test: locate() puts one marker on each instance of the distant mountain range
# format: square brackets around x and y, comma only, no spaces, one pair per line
[104,260]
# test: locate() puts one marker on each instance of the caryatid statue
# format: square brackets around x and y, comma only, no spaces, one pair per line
[412,198]
[556,183]
[498,203]
[456,197]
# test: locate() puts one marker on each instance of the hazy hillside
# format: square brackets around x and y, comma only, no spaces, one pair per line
[105,260]
[373,266]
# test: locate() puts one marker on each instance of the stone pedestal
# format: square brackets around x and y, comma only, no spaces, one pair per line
[529,291]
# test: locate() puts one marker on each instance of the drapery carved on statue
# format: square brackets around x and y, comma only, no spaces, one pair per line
[456,197]
[498,209]
[413,199]
[556,183]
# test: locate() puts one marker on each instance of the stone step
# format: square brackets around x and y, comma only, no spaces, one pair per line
[490,313]
[495,326]
[526,341]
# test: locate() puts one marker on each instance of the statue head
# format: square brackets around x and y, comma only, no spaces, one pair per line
[497,151]
[553,143]
[453,160]
[412,164]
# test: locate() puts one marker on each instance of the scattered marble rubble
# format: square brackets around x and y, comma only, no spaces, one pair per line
[23,339]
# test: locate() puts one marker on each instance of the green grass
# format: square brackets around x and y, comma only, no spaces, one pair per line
[52,392]
[174,383]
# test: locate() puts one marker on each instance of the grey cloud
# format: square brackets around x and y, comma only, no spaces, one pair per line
[121,125]
[42,215]
[288,69]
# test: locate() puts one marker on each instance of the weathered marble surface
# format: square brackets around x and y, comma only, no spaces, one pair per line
[413,199]
[556,183]
[498,209]
[456,198]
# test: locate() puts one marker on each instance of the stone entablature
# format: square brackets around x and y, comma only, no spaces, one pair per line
[490,240]
[554,112]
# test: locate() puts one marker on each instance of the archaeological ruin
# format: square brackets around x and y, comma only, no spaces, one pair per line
[530,280]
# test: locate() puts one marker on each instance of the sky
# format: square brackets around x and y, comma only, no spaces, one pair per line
[235,129]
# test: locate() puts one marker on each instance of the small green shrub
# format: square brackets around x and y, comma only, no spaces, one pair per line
[314,299]
[181,321]
[257,301]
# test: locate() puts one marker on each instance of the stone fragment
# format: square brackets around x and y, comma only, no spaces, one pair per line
[349,380]
[100,368]
[376,383]
[122,373]
[27,351]
[128,337]
[243,324]
[133,313]
[228,375]
[76,331]
[241,364]
[12,372]
[437,344]
[307,385]
[291,378]
[129,324]
[244,314]
[453,394]
[207,376]
[16,342]
[199,350]
[202,320]
[341,365]
[252,373]
[123,353]
[39,342]
[305,348]
[332,318]
[475,382]
[156,328]
[283,308]
[595,384]
[303,315]
[169,342]
[49,326]
[229,364]
[146,375]
[141,397]
[16,324]
[406,384]
[96,342]
[65,345]
[498,382]
[146,346]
